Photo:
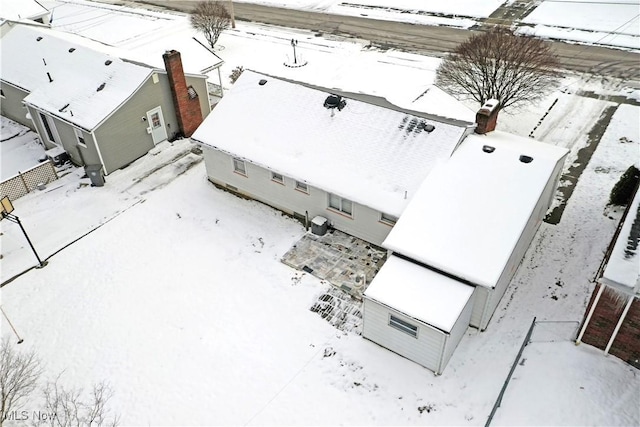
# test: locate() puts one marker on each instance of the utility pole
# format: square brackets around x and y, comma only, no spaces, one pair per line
[6,207]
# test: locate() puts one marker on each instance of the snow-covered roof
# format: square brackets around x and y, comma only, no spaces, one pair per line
[434,100]
[623,266]
[419,293]
[67,76]
[22,9]
[469,213]
[370,154]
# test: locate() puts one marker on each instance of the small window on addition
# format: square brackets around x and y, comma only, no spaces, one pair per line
[80,137]
[403,326]
[301,186]
[277,178]
[239,166]
[1,93]
[388,219]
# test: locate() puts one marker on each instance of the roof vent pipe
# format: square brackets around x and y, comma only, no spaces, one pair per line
[50,79]
[334,101]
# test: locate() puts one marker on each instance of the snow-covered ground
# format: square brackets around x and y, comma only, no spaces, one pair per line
[604,22]
[179,300]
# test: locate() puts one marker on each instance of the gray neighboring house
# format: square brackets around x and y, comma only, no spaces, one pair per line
[352,159]
[86,101]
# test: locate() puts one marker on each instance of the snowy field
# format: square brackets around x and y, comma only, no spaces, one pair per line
[179,300]
[177,297]
[604,22]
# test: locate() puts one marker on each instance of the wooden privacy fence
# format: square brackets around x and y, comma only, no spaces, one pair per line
[27,181]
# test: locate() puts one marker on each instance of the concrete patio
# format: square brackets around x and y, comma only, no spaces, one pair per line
[346,262]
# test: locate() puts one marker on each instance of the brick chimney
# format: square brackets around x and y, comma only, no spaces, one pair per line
[487,117]
[185,99]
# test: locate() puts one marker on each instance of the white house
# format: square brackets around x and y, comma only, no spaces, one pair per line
[355,163]
[456,209]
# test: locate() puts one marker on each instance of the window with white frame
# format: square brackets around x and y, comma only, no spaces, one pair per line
[239,166]
[80,137]
[301,186]
[388,219]
[403,326]
[340,204]
[277,177]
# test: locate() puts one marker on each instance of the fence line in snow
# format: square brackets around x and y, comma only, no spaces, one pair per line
[513,368]
[27,181]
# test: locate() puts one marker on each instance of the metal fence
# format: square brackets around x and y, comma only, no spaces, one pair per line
[27,181]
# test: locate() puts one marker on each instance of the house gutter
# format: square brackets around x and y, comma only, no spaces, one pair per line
[95,142]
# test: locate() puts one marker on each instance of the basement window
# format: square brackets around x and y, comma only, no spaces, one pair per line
[239,166]
[301,186]
[403,326]
[388,219]
[276,177]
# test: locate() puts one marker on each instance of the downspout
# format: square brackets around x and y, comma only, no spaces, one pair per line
[95,142]
[591,310]
[615,331]
[442,350]
[220,81]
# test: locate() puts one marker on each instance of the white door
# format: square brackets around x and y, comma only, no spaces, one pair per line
[156,125]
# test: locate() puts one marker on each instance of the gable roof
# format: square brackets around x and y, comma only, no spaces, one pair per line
[623,267]
[64,74]
[470,212]
[373,155]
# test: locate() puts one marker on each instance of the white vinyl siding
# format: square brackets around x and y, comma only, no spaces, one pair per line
[257,184]
[479,298]
[430,347]
[239,167]
[340,204]
[426,349]
[388,219]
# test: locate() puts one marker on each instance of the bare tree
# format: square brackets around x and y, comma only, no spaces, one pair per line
[498,65]
[210,18]
[19,373]
[67,407]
